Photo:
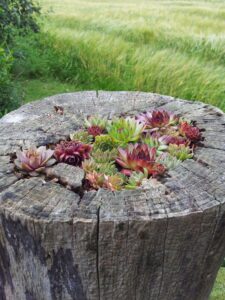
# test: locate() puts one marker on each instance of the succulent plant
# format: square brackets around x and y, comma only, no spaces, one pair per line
[34,160]
[181,152]
[95,179]
[168,160]
[139,157]
[104,156]
[190,132]
[81,136]
[157,118]
[169,139]
[125,130]
[97,121]
[91,165]
[95,130]
[135,180]
[152,141]
[114,182]
[104,142]
[72,152]
[98,180]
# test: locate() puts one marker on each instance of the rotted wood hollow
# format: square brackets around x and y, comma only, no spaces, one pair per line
[165,241]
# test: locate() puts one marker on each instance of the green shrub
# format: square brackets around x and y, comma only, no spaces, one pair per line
[10,97]
[17,16]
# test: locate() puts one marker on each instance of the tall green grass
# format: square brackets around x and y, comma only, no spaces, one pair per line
[170,47]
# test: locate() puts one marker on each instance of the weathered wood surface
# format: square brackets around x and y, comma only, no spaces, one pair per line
[166,241]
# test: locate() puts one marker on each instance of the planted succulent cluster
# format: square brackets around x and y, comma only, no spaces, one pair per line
[119,153]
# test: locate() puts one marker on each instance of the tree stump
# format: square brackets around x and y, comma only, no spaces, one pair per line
[166,241]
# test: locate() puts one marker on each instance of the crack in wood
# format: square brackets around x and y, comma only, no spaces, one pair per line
[163,260]
[97,253]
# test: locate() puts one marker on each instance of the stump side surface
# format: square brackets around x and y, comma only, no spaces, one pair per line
[163,242]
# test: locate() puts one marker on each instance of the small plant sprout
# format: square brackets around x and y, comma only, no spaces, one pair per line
[34,160]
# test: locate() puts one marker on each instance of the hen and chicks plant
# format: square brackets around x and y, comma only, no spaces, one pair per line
[119,153]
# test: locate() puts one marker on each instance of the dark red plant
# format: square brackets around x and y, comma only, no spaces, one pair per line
[190,132]
[139,157]
[72,152]
[95,130]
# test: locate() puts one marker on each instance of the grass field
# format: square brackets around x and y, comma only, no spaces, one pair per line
[170,47]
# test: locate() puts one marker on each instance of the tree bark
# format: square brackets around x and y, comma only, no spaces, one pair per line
[165,241]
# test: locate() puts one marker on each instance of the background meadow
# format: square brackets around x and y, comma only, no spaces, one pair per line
[173,47]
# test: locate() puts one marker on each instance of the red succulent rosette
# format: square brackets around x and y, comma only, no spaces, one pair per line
[95,130]
[190,132]
[72,152]
[139,157]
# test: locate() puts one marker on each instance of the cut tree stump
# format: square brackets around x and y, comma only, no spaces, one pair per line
[165,241]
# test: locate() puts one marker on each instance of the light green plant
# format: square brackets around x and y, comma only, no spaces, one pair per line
[125,130]
[91,165]
[104,142]
[96,121]
[136,179]
[168,160]
[153,142]
[81,136]
[104,156]
[181,152]
[98,180]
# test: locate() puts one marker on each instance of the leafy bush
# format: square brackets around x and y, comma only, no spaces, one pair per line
[9,92]
[17,17]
